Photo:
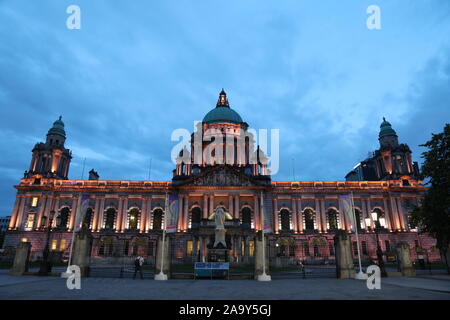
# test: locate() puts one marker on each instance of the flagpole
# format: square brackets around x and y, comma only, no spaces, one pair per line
[360,274]
[73,230]
[263,276]
[161,275]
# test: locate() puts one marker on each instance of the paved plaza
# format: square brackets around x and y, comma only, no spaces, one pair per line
[33,287]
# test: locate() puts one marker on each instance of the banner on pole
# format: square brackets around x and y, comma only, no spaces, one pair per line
[346,201]
[81,212]
[172,214]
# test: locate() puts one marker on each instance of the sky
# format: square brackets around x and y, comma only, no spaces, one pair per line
[137,70]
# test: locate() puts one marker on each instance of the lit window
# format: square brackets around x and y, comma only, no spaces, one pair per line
[23,240]
[189,248]
[62,245]
[30,222]
[34,202]
[54,244]
[251,248]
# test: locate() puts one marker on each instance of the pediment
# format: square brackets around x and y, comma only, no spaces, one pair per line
[222,176]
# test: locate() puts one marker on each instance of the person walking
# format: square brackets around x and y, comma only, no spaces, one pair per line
[138,262]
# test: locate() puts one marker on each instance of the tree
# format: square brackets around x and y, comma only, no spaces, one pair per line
[433,214]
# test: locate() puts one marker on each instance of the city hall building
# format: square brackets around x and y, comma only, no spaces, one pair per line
[127,217]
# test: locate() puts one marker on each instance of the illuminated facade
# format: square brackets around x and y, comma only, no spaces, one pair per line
[231,174]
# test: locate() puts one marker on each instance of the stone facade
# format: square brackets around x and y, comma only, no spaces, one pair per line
[128,216]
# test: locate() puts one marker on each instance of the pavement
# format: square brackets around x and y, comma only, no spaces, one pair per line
[54,288]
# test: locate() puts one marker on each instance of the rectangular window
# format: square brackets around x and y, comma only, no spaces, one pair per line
[34,202]
[355,248]
[62,245]
[316,251]
[331,247]
[30,222]
[416,243]
[243,247]
[24,240]
[126,249]
[251,248]
[54,246]
[189,247]
[101,250]
[364,247]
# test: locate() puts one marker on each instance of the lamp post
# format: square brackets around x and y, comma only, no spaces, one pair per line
[45,267]
[379,222]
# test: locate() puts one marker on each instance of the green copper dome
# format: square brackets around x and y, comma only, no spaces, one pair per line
[386,129]
[222,112]
[58,128]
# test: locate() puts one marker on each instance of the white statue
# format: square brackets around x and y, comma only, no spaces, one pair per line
[219,218]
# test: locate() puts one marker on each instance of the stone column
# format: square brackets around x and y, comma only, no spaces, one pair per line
[239,249]
[318,218]
[294,215]
[300,215]
[15,212]
[230,205]
[323,215]
[96,214]
[101,212]
[73,212]
[211,204]
[388,215]
[20,265]
[369,211]
[237,207]
[148,220]
[401,214]
[167,260]
[119,215]
[246,250]
[256,213]
[124,214]
[186,213]
[202,255]
[342,217]
[205,207]
[275,215]
[20,212]
[404,260]
[143,219]
[43,201]
[397,225]
[194,249]
[344,259]
[81,252]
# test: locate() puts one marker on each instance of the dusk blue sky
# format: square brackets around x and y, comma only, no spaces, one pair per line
[137,70]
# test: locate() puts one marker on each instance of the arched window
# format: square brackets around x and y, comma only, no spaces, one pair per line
[133,219]
[285,220]
[110,219]
[308,218]
[358,216]
[157,219]
[65,213]
[196,215]
[332,220]
[88,218]
[246,217]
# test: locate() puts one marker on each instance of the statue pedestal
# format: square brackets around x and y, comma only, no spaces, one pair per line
[218,255]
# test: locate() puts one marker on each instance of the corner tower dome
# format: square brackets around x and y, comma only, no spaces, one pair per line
[58,128]
[222,112]
[386,129]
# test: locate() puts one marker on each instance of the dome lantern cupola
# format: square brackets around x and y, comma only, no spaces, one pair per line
[222,112]
[58,128]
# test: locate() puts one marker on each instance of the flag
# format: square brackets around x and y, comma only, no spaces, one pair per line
[81,212]
[172,214]
[348,209]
